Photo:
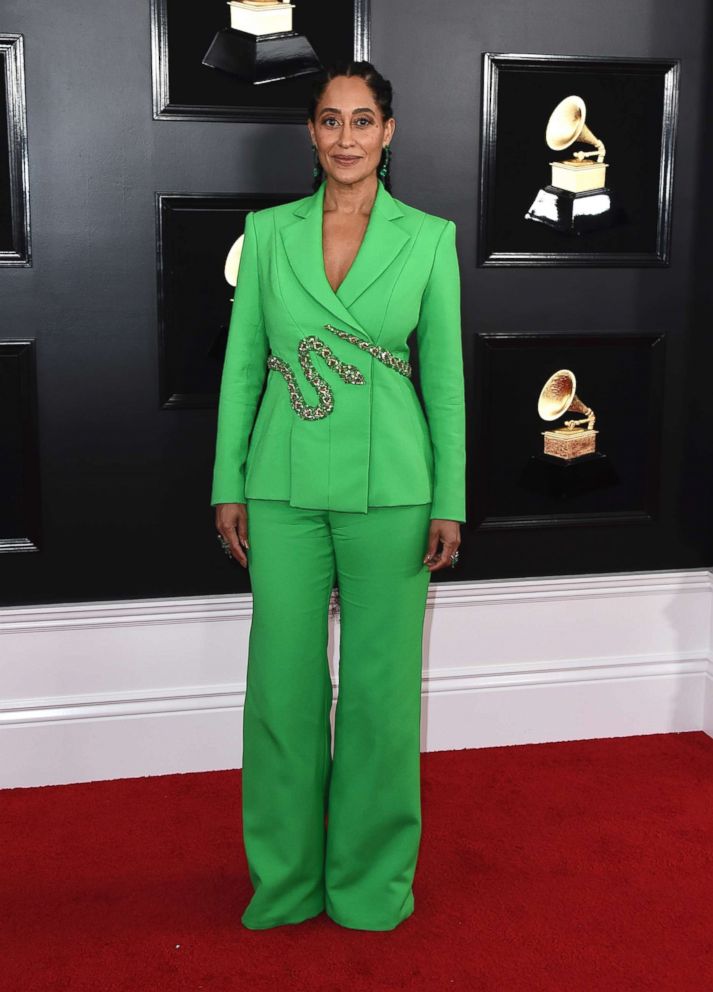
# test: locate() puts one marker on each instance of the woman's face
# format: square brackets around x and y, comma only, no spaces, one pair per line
[348,130]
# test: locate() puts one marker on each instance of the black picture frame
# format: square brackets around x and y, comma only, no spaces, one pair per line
[621,377]
[185,89]
[194,232]
[631,104]
[20,502]
[15,244]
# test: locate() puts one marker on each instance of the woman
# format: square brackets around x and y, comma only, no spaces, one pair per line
[343,480]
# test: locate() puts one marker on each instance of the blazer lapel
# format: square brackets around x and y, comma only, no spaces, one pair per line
[383,240]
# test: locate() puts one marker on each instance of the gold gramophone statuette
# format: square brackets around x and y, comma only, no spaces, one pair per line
[577,199]
[558,395]
[261,45]
[261,17]
[565,126]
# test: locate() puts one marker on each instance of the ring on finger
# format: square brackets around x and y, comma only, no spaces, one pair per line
[224,544]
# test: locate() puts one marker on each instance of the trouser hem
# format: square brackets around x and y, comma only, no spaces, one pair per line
[355,925]
[286,922]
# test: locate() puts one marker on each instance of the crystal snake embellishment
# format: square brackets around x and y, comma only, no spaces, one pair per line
[348,373]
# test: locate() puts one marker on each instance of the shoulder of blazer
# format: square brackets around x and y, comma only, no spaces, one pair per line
[279,212]
[423,223]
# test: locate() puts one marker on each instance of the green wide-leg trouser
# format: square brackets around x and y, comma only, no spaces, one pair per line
[337,833]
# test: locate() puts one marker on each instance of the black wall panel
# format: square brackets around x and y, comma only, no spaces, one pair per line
[125,485]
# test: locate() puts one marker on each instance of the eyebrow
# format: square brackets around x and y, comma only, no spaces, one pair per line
[358,110]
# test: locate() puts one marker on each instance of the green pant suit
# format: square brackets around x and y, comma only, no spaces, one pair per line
[322,435]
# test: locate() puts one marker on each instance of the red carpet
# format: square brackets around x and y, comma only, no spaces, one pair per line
[583,865]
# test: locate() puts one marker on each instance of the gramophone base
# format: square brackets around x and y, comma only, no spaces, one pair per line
[567,444]
[574,213]
[265,58]
[560,478]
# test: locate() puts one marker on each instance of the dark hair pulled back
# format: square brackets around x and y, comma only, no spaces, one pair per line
[383,95]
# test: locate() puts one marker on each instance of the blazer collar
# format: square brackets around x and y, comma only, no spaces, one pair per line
[383,240]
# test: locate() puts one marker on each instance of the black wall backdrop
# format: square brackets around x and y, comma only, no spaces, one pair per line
[125,484]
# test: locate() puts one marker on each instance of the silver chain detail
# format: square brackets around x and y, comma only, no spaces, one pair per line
[349,373]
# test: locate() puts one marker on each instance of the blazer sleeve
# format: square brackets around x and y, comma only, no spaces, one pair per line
[243,377]
[440,362]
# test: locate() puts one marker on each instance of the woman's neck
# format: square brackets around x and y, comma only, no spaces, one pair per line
[351,198]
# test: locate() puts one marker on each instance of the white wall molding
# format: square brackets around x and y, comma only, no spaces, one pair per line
[707,721]
[142,687]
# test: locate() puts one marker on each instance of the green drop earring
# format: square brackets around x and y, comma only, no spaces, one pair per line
[384,170]
[317,168]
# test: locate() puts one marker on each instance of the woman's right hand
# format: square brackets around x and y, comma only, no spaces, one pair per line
[231,520]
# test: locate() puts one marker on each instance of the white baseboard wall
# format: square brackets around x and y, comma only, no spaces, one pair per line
[707,722]
[123,689]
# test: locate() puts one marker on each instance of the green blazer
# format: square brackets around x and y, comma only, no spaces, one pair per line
[350,434]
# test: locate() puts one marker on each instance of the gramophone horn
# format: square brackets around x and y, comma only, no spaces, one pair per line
[566,125]
[232,261]
[558,395]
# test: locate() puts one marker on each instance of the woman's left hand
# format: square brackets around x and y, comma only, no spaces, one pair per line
[448,532]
